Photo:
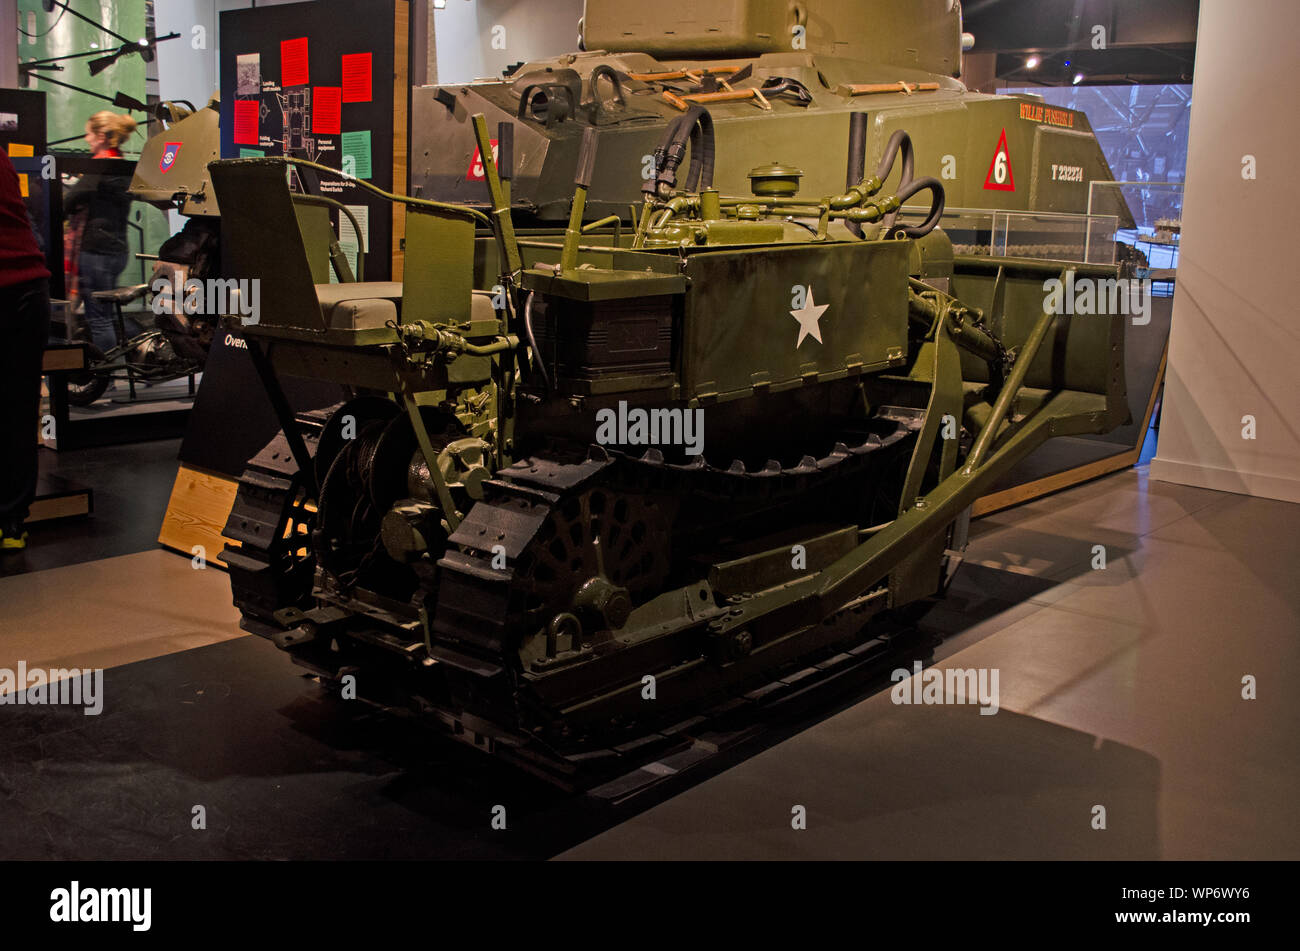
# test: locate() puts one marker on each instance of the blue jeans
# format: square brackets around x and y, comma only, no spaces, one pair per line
[98,272]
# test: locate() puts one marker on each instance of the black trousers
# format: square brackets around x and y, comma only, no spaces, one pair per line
[24,330]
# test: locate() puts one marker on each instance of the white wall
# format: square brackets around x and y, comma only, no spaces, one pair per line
[532,30]
[184,71]
[1235,346]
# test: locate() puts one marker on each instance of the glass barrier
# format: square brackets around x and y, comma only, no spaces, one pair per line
[1044,235]
[1157,210]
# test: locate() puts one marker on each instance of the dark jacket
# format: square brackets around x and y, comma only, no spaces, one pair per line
[106,198]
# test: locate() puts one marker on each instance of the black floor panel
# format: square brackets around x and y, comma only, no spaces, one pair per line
[132,484]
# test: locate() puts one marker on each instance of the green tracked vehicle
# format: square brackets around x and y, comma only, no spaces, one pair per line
[625,459]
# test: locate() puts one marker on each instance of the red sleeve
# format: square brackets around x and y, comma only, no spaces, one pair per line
[20,256]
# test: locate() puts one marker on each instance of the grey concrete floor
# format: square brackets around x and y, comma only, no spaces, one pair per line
[1120,687]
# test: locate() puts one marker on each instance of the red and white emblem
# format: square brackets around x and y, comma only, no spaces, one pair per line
[1000,177]
[476,171]
[170,151]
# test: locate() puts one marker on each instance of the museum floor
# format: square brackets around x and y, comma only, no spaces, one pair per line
[1119,687]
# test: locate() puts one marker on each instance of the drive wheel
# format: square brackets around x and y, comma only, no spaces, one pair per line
[624,536]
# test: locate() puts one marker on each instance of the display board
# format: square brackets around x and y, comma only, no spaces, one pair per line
[22,122]
[22,136]
[232,418]
[41,199]
[315,81]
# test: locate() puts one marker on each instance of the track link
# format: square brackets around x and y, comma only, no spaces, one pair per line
[270,563]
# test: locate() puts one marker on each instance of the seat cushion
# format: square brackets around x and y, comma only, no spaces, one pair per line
[359,306]
[121,295]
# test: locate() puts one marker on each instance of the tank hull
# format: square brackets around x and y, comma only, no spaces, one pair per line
[1051,154]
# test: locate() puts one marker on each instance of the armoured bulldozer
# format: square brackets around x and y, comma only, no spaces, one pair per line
[678,441]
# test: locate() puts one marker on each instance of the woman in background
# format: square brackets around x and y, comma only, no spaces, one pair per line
[103,247]
[106,131]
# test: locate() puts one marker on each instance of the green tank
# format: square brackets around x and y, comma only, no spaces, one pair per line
[779,80]
[638,444]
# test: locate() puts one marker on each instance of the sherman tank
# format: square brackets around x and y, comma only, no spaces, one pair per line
[686,394]
[780,80]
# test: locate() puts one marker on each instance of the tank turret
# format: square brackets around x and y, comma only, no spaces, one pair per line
[172,171]
[918,34]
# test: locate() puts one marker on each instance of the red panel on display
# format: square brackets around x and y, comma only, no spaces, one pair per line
[246,116]
[325,110]
[293,62]
[356,77]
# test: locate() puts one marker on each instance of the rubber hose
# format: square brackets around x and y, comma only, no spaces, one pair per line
[697,127]
[702,152]
[936,206]
[899,140]
[532,342]
[669,154]
[691,129]
[857,159]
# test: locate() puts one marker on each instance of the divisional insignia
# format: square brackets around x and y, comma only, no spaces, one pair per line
[170,151]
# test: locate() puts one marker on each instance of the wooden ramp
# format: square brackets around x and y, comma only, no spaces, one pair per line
[196,513]
[58,498]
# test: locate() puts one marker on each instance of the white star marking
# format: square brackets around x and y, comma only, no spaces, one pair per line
[808,318]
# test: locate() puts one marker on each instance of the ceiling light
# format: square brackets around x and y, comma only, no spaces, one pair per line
[1032,62]
[1078,78]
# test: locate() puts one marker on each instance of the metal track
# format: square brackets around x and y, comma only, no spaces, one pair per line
[269,571]
[485,610]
